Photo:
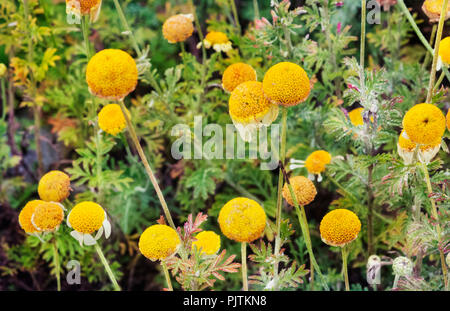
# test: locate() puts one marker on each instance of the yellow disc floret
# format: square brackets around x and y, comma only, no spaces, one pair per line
[208,242]
[47,216]
[242,220]
[158,242]
[86,217]
[304,190]
[236,74]
[218,41]
[25,216]
[424,124]
[54,186]
[111,119]
[178,28]
[444,50]
[111,74]
[316,162]
[339,227]
[286,84]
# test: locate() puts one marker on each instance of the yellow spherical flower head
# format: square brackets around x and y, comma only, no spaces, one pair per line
[178,28]
[433,9]
[208,242]
[444,51]
[84,7]
[217,40]
[339,227]
[86,218]
[111,119]
[158,242]
[249,109]
[54,186]
[25,216]
[424,124]
[236,74]
[286,84]
[242,220]
[111,74]
[406,149]
[304,190]
[315,164]
[48,216]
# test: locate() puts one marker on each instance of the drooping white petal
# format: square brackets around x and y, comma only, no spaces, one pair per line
[77,236]
[296,161]
[67,220]
[107,227]
[319,178]
[439,64]
[294,166]
[88,239]
[99,233]
[311,176]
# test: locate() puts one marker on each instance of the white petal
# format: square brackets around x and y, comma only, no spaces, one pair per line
[296,161]
[88,239]
[311,176]
[107,227]
[77,236]
[67,220]
[439,64]
[319,178]
[294,166]
[405,135]
[99,233]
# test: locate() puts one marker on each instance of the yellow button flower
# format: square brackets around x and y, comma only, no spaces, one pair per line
[178,28]
[304,190]
[54,186]
[315,164]
[217,40]
[249,109]
[236,74]
[286,84]
[242,220]
[111,119]
[424,124]
[111,74]
[158,242]
[84,7]
[444,51]
[406,149]
[48,216]
[25,216]
[86,218]
[433,8]
[208,242]
[339,227]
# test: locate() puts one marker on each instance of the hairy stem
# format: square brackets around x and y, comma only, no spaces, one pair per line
[370,197]
[57,266]
[256,9]
[235,15]
[107,267]
[344,252]
[363,33]
[244,265]
[167,275]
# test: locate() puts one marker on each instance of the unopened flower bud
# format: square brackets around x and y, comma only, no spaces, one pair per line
[402,266]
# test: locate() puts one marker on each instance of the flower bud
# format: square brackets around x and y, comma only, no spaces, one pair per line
[402,266]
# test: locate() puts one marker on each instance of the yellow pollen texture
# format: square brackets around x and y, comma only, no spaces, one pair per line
[48,216]
[54,186]
[339,227]
[424,124]
[216,37]
[356,116]
[316,162]
[111,119]
[236,74]
[433,9]
[111,74]
[304,190]
[25,216]
[286,84]
[84,6]
[177,28]
[247,102]
[208,242]
[86,217]
[158,242]
[242,220]
[407,145]
[444,50]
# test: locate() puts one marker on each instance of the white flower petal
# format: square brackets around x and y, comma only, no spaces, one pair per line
[77,236]
[311,176]
[88,239]
[319,178]
[67,220]
[107,227]
[99,233]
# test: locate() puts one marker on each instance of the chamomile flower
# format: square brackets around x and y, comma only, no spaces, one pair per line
[25,216]
[111,119]
[433,8]
[178,28]
[250,110]
[217,40]
[158,242]
[304,190]
[407,150]
[48,216]
[84,7]
[242,220]
[424,124]
[339,227]
[111,74]
[315,164]
[54,186]
[236,74]
[208,242]
[85,218]
[444,53]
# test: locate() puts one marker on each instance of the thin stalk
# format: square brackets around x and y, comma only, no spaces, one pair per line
[107,267]
[235,15]
[98,143]
[167,275]
[149,171]
[287,36]
[436,50]
[244,265]
[370,240]
[256,9]
[125,25]
[439,81]
[3,87]
[37,135]
[435,215]
[396,278]
[85,27]
[57,266]
[344,252]
[432,37]
[363,33]
[183,49]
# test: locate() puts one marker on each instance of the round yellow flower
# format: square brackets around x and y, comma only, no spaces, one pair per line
[86,217]
[47,216]
[339,227]
[406,149]
[217,40]
[84,7]
[111,119]
[286,84]
[356,116]
[111,74]
[424,124]
[444,50]
[242,220]
[158,242]
[236,74]
[433,8]
[2,69]
[304,190]
[249,109]
[316,162]
[25,216]
[54,186]
[178,28]
[208,242]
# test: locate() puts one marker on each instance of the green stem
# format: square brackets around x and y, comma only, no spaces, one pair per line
[236,16]
[3,87]
[244,265]
[370,207]
[256,9]
[344,251]
[287,36]
[167,275]
[99,152]
[149,171]
[125,25]
[436,50]
[85,28]
[57,266]
[107,267]
[432,37]
[363,33]
[439,81]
